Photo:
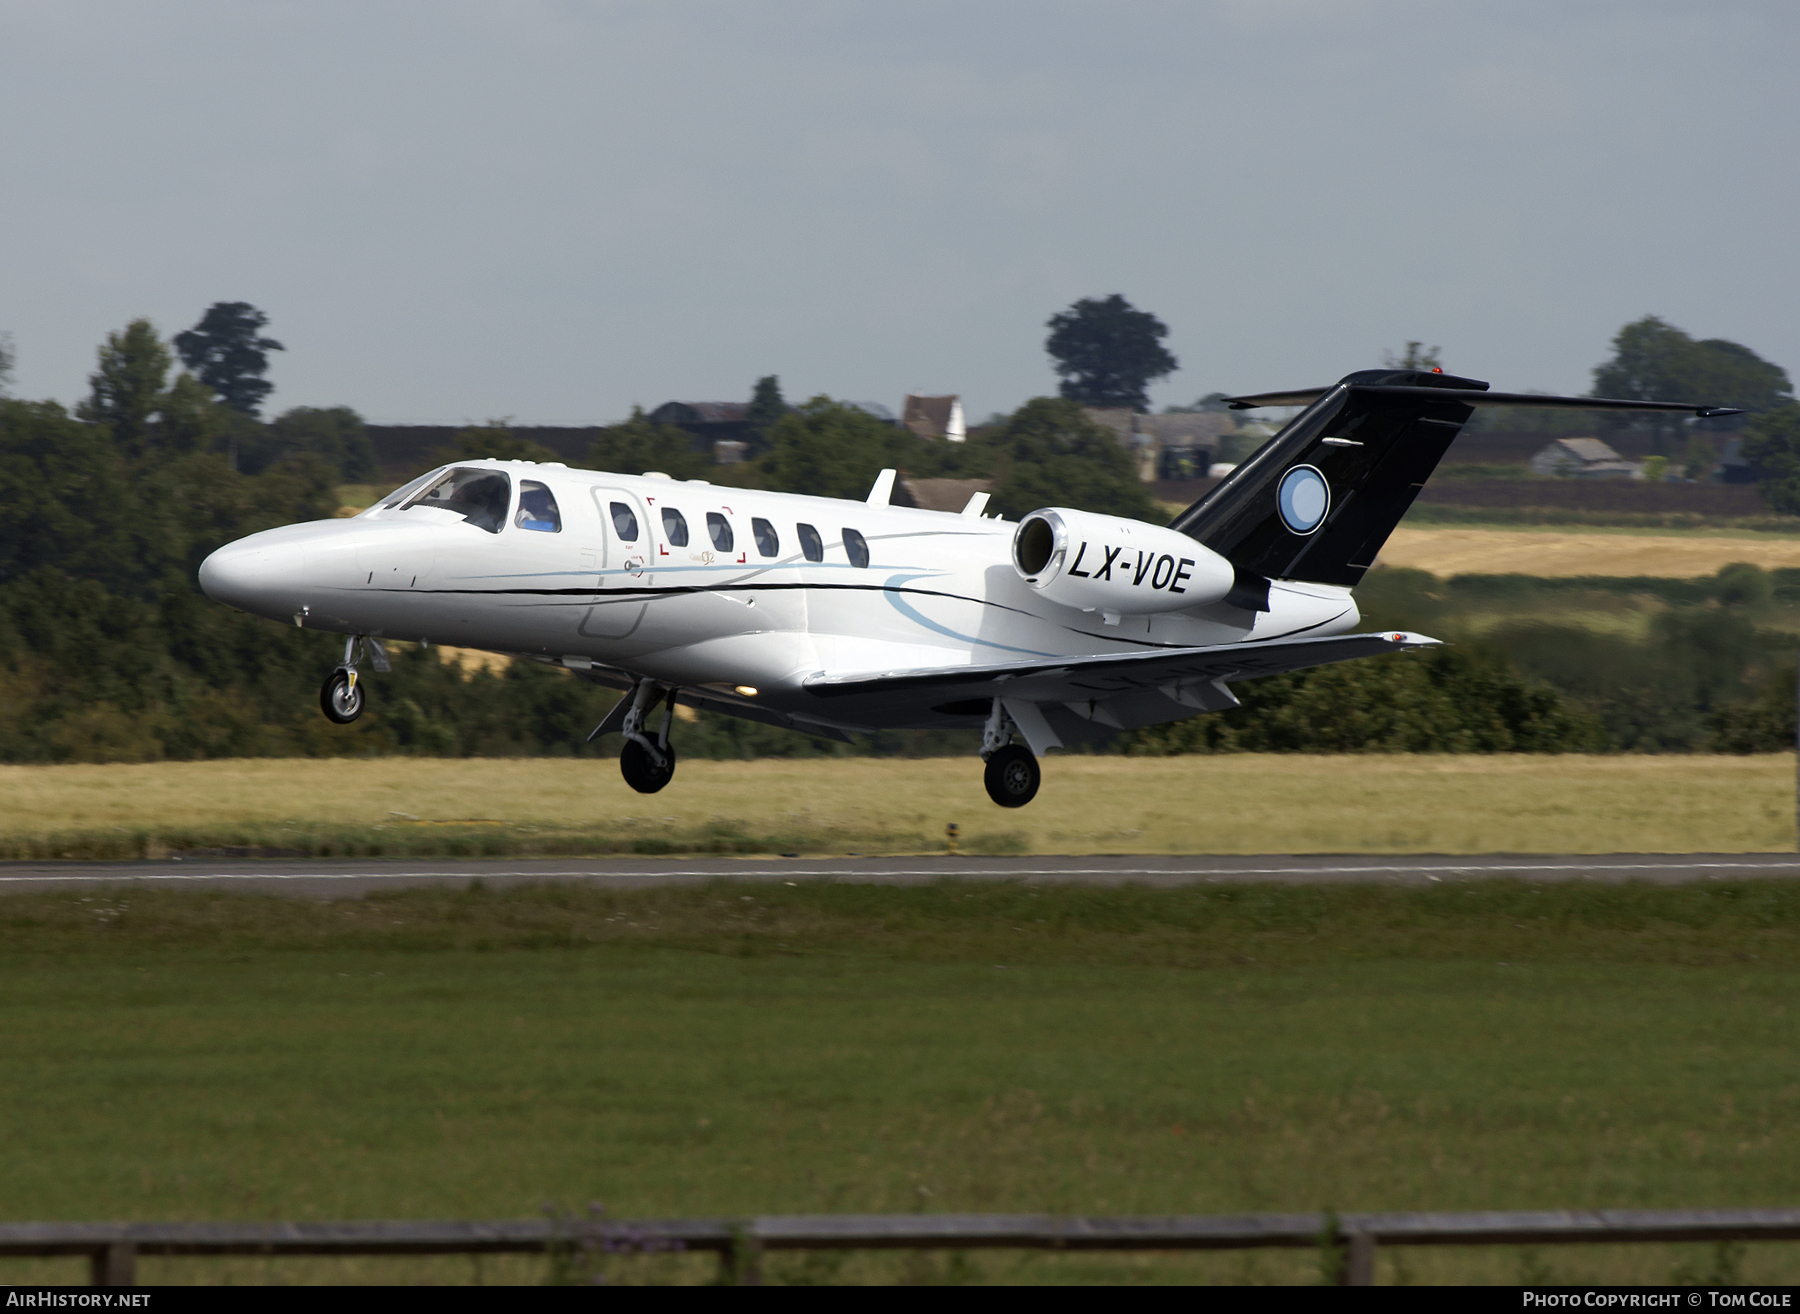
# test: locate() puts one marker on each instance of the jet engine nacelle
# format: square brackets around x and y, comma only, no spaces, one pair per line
[1104,563]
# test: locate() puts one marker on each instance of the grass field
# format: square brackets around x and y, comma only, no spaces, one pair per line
[1246,803]
[706,1051]
[1564,552]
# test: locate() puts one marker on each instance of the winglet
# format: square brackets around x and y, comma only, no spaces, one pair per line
[977,504]
[883,492]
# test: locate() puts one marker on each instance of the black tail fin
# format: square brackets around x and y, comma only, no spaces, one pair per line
[1321,497]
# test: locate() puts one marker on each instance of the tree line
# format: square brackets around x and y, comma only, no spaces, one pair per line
[108,651]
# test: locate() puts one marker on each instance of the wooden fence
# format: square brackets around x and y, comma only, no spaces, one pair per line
[1350,1239]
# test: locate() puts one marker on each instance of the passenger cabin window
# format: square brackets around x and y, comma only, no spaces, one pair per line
[537,508]
[674,527]
[624,522]
[718,528]
[768,542]
[810,543]
[857,548]
[478,496]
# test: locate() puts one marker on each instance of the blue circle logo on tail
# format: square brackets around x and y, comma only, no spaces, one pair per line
[1303,497]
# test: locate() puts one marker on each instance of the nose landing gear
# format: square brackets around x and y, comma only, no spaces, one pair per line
[1012,775]
[341,697]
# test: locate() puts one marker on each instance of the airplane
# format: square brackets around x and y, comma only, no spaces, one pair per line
[837,617]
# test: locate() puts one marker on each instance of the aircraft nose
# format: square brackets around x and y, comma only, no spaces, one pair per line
[263,579]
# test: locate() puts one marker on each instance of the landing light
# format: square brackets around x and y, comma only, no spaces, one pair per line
[749,691]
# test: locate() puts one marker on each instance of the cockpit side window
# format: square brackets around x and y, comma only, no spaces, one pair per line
[537,508]
[718,528]
[768,542]
[478,496]
[624,522]
[674,527]
[856,547]
[811,545]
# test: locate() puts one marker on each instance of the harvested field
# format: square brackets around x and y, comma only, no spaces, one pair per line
[1561,553]
[1622,495]
[1238,803]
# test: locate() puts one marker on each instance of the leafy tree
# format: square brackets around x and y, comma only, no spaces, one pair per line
[226,350]
[336,435]
[638,445]
[1446,700]
[1698,457]
[496,441]
[8,358]
[1655,361]
[1048,453]
[1107,352]
[833,449]
[1772,446]
[1417,356]
[127,389]
[766,407]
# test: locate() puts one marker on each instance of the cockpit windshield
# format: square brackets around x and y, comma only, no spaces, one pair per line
[399,495]
[478,496]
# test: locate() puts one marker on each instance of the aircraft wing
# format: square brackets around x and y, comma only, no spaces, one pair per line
[1086,697]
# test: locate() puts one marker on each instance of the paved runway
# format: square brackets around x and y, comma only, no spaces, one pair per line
[326,878]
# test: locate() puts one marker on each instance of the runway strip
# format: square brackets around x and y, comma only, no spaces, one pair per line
[329,878]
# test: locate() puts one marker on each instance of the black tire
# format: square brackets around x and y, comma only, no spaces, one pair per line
[339,701]
[1012,776]
[640,769]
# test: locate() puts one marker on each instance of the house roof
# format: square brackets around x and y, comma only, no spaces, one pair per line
[928,416]
[680,412]
[940,494]
[1587,449]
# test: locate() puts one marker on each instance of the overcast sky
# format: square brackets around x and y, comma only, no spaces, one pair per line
[554,210]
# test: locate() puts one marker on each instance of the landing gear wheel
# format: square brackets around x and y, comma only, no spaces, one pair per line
[1012,776]
[640,769]
[339,700]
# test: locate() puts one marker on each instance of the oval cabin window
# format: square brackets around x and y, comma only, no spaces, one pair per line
[718,528]
[624,522]
[674,527]
[812,547]
[856,547]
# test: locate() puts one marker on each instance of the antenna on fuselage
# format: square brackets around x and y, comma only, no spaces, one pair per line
[883,491]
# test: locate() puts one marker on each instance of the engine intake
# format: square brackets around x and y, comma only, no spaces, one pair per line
[1104,563]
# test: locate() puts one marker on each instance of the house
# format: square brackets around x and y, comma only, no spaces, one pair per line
[1584,458]
[1734,467]
[1177,446]
[708,422]
[1186,443]
[934,416]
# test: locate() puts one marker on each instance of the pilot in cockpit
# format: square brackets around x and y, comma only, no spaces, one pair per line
[481,501]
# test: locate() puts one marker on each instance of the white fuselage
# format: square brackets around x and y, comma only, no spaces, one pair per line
[937,589]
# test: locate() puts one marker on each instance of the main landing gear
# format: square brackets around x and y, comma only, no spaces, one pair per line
[646,762]
[341,697]
[1012,776]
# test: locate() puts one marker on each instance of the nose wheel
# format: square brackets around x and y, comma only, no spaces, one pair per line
[1012,776]
[341,699]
